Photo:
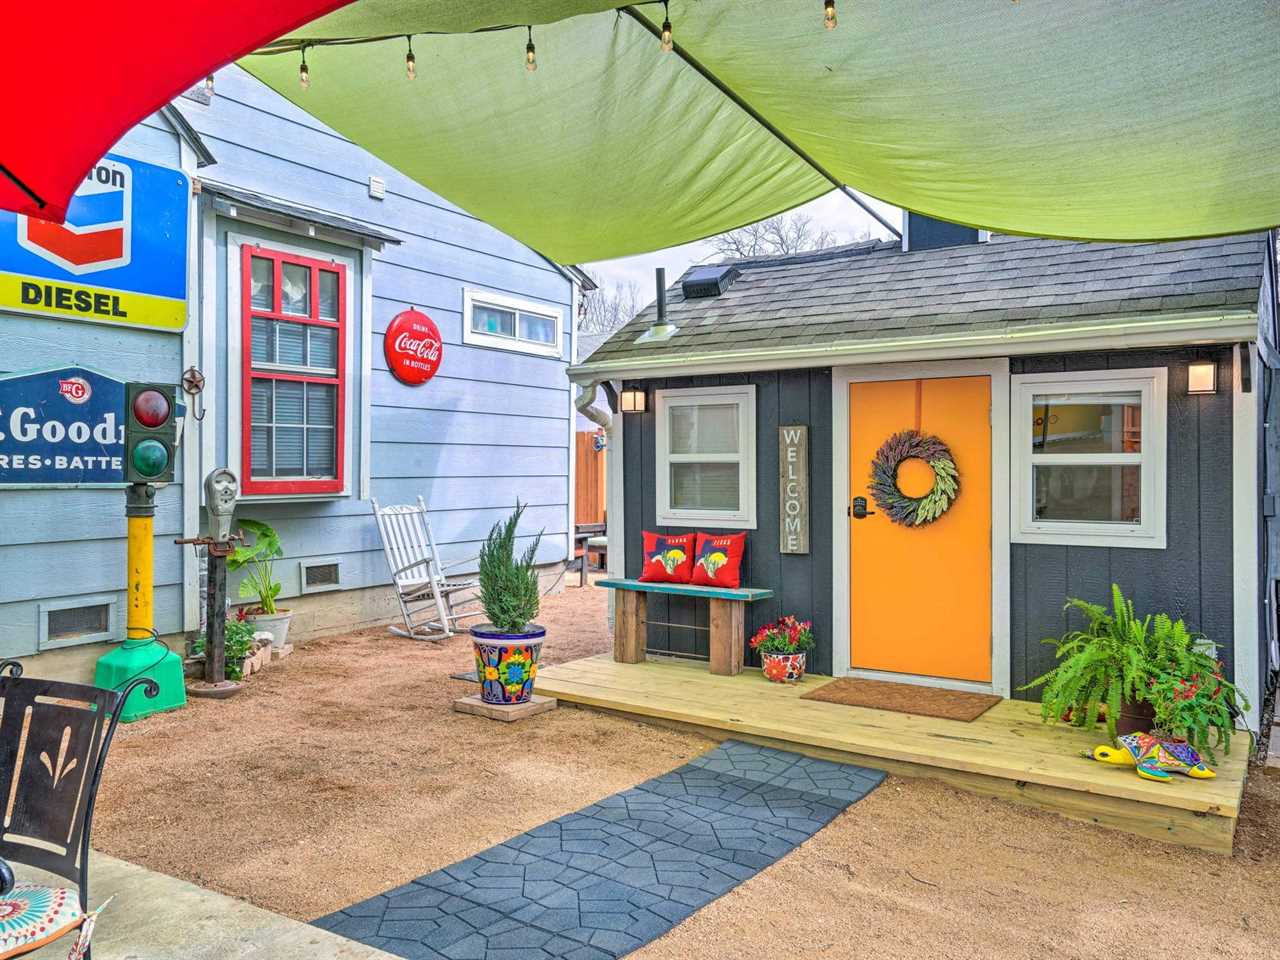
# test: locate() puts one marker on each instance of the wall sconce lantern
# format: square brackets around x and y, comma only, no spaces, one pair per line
[632,400]
[1202,377]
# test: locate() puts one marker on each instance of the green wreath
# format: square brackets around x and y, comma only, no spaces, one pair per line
[914,511]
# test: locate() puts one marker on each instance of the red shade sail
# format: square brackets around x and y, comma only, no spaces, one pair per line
[76,75]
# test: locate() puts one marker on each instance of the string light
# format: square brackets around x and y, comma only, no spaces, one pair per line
[304,75]
[410,62]
[530,54]
[667,44]
[829,14]
[208,84]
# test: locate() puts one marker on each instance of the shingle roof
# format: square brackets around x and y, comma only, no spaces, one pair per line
[874,291]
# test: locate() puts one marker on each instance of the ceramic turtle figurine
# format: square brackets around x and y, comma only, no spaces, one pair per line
[1154,758]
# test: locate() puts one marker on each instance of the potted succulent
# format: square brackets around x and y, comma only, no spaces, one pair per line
[508,647]
[259,581]
[782,647]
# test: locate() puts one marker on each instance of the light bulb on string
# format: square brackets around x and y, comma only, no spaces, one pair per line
[530,54]
[410,62]
[829,14]
[208,84]
[304,75]
[666,42]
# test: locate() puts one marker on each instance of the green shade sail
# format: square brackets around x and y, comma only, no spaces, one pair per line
[1148,119]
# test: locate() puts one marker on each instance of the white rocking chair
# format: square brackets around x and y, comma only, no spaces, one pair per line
[432,602]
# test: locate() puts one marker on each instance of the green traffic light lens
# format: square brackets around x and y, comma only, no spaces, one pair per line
[150,458]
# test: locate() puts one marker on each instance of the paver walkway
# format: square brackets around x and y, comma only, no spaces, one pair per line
[601,882]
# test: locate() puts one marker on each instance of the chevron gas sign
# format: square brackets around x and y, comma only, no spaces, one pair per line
[120,256]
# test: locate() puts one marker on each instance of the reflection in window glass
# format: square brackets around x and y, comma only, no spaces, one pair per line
[261,284]
[295,289]
[501,323]
[323,352]
[291,344]
[1086,423]
[704,486]
[1104,494]
[537,329]
[704,428]
[328,295]
[264,341]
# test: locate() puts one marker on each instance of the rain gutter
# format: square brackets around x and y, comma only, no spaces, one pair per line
[1051,338]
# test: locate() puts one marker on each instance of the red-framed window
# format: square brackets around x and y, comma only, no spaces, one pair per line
[293,344]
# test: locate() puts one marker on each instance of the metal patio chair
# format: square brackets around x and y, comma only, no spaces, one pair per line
[53,742]
[431,601]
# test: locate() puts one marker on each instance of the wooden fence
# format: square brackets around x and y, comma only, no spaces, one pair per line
[589,502]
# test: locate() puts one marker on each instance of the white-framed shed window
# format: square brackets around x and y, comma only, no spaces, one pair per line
[495,320]
[1088,458]
[706,456]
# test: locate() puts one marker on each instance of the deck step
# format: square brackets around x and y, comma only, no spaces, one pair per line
[1007,752]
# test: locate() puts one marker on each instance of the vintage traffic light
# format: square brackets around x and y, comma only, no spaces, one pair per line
[150,432]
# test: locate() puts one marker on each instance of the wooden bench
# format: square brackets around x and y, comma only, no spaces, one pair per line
[728,619]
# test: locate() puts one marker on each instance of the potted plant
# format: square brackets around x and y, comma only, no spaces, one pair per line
[259,581]
[237,646]
[782,647]
[1135,672]
[1108,663]
[1193,701]
[508,647]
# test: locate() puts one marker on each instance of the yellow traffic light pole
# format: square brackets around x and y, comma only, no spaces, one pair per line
[140,512]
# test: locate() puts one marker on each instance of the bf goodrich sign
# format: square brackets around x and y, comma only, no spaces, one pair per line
[793,489]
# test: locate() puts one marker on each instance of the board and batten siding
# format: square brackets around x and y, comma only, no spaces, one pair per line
[801,582]
[491,427]
[62,546]
[1192,577]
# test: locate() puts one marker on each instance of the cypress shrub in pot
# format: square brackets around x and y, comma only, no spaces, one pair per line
[508,647]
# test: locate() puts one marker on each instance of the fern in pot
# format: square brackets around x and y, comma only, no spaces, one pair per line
[508,647]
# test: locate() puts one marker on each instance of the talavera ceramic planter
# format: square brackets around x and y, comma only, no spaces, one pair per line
[507,663]
[783,667]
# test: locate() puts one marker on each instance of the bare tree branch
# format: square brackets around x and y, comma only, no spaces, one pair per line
[609,307]
[784,234]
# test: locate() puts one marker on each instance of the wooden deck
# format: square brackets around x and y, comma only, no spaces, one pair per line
[1007,752]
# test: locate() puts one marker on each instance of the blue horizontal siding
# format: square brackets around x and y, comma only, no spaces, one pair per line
[53,516]
[491,427]
[30,571]
[19,624]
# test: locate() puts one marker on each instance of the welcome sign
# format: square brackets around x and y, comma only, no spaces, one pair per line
[793,489]
[120,257]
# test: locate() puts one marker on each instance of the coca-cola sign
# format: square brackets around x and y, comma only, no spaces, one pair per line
[413,347]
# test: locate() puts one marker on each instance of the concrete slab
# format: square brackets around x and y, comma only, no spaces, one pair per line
[158,917]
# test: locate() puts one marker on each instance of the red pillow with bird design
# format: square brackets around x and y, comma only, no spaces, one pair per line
[667,559]
[718,560]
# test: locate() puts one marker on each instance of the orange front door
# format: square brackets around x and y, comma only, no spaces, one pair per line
[920,597]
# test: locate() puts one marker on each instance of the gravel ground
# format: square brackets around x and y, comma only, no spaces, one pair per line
[342,772]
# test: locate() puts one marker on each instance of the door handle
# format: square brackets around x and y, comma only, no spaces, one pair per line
[859,510]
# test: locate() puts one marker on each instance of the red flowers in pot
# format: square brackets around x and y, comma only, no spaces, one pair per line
[782,646]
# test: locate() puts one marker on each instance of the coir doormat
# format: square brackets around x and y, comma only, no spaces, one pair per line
[905,698]
[604,881]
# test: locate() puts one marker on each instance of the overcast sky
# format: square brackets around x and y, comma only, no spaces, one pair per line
[834,211]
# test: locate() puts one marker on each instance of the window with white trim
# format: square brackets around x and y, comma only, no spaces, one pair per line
[293,312]
[706,456]
[494,320]
[1088,458]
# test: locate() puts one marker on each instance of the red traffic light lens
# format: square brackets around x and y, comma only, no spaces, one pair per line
[151,408]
